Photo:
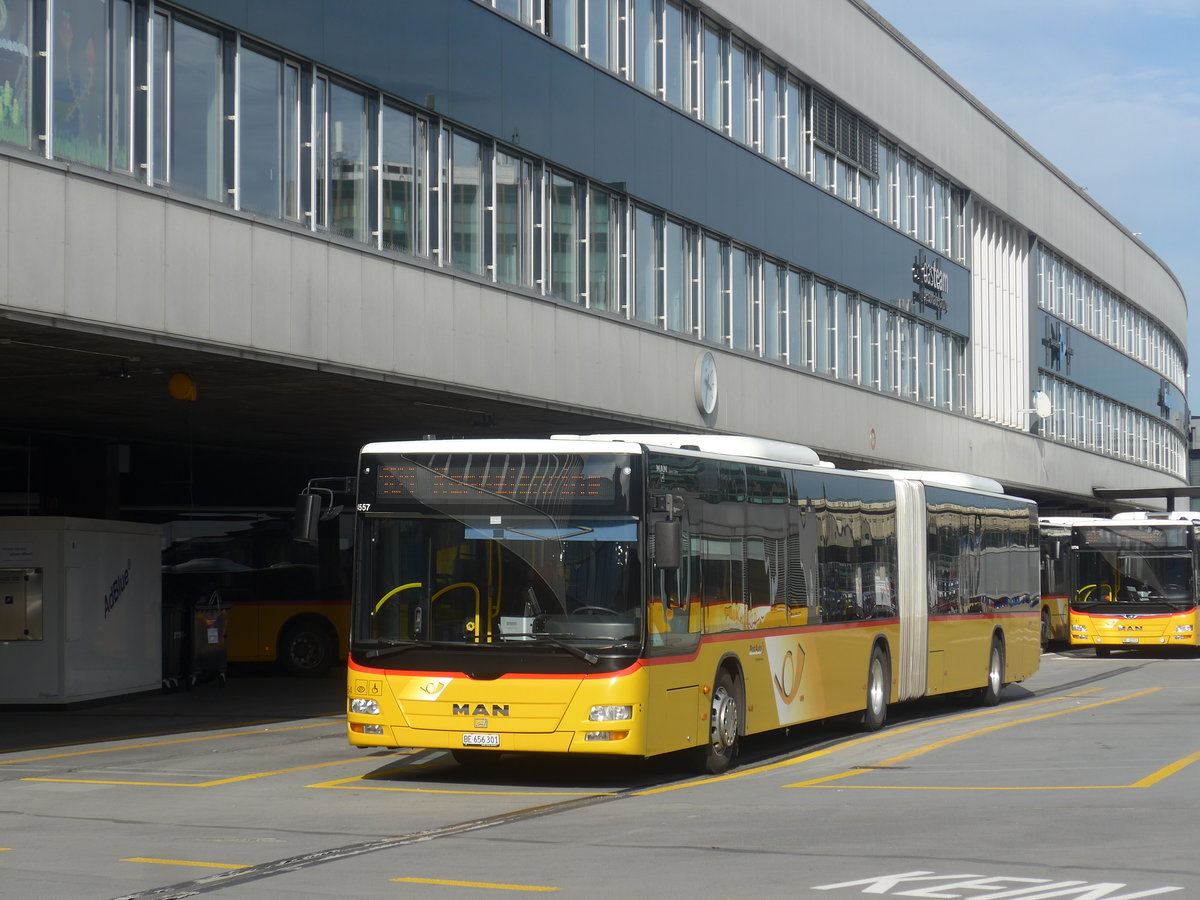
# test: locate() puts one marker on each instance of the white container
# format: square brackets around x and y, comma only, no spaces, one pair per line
[80,609]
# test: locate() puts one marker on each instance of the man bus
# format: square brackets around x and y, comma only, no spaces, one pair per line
[643,594]
[1133,581]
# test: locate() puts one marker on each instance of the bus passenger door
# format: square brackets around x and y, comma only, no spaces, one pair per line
[673,621]
[674,615]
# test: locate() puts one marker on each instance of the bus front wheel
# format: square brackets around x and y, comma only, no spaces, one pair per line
[724,720]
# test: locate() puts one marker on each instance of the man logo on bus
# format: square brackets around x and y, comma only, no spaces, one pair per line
[479,709]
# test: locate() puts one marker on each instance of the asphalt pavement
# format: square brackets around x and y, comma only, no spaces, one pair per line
[249,696]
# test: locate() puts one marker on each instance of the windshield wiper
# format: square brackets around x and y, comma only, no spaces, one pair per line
[394,649]
[589,658]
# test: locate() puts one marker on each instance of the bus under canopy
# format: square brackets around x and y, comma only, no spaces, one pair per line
[612,596]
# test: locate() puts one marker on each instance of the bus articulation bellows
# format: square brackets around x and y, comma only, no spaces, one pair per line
[644,594]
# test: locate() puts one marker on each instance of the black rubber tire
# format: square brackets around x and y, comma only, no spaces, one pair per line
[724,724]
[878,689]
[306,648]
[989,694]
[1103,652]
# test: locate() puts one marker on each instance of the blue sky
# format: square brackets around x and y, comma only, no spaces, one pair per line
[1107,90]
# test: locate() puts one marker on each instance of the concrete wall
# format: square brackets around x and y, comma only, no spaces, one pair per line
[102,251]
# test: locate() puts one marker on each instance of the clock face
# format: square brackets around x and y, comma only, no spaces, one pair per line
[706,383]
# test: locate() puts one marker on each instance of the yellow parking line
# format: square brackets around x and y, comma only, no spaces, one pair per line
[188,740]
[937,745]
[183,862]
[198,784]
[489,885]
[1166,771]
[357,783]
[1148,781]
[866,739]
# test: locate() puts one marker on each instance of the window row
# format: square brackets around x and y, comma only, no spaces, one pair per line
[674,52]
[1085,419]
[1073,296]
[240,125]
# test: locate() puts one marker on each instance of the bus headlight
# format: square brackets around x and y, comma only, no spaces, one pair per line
[364,707]
[1079,628]
[1183,629]
[610,713]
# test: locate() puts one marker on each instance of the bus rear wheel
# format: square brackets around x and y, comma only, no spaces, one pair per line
[989,694]
[875,713]
[306,648]
[724,720]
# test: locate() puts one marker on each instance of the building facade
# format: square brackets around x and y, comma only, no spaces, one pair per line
[346,219]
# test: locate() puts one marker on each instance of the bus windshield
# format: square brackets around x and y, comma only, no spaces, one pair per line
[487,552]
[1133,565]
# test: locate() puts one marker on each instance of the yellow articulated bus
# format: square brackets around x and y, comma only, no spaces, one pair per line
[288,600]
[1057,573]
[1133,581]
[645,594]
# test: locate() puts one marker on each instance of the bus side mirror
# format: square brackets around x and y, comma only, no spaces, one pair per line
[308,514]
[667,544]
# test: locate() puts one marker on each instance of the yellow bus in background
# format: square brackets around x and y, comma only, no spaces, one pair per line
[646,594]
[1133,581]
[1057,573]
[288,600]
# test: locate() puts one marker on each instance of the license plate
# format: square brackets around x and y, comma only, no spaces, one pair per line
[1129,640]
[480,739]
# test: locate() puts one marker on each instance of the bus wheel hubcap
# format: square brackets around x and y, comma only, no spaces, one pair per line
[724,720]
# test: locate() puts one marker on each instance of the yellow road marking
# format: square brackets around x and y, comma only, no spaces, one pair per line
[937,745]
[357,783]
[188,740]
[198,784]
[495,886]
[866,739]
[183,862]
[1148,781]
[1166,771]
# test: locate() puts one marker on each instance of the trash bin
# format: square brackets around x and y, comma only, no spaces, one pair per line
[208,646]
[173,651]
